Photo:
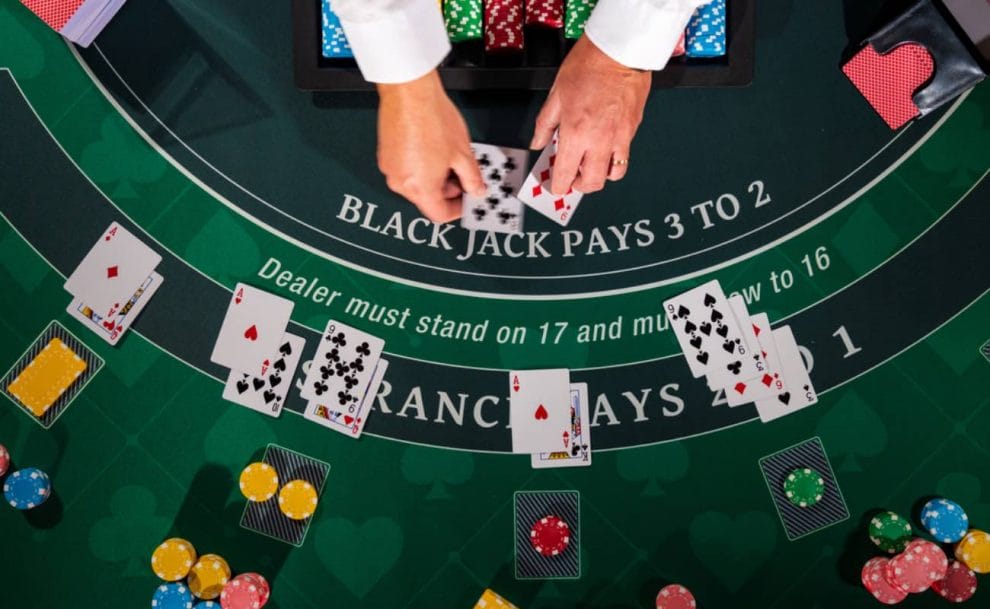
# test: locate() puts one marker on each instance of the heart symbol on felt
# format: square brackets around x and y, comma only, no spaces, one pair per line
[733,548]
[541,413]
[251,333]
[359,556]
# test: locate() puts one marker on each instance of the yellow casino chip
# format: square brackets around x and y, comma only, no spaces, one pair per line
[259,482]
[297,500]
[208,576]
[173,559]
[47,377]
[490,600]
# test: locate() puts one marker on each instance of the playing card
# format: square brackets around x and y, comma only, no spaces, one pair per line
[112,328]
[709,335]
[266,393]
[579,451]
[342,367]
[539,410]
[771,382]
[797,392]
[536,193]
[352,420]
[748,332]
[499,211]
[112,270]
[251,330]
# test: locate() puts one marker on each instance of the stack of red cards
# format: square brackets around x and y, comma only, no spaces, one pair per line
[739,354]
[80,21]
[261,355]
[344,378]
[113,283]
[549,418]
[503,25]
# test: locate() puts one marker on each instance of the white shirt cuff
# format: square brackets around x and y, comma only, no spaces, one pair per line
[639,34]
[402,46]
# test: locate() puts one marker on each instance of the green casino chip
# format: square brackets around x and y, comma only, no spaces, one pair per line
[463,19]
[576,16]
[804,487]
[890,532]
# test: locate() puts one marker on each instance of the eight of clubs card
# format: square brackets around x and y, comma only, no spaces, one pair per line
[499,211]
[112,328]
[797,392]
[342,367]
[539,410]
[266,393]
[579,452]
[536,193]
[112,270]
[252,330]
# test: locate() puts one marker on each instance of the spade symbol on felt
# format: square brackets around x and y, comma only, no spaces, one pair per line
[251,333]
[709,300]
[541,413]
[706,328]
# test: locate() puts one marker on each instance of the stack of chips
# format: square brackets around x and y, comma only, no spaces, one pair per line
[549,13]
[246,591]
[4,460]
[27,488]
[463,19]
[172,596]
[576,16]
[207,578]
[335,45]
[706,31]
[503,25]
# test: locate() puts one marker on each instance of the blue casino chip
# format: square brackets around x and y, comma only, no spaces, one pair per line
[335,45]
[27,488]
[705,35]
[207,605]
[172,596]
[944,520]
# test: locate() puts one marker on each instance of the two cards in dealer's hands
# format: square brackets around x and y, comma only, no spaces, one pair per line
[342,380]
[739,353]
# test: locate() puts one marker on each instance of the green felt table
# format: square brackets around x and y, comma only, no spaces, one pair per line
[182,123]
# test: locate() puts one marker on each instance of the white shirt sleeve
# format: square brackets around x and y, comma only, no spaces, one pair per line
[640,34]
[394,41]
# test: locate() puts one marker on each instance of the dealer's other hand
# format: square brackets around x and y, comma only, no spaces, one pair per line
[597,104]
[424,149]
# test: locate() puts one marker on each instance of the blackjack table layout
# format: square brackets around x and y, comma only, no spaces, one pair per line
[182,123]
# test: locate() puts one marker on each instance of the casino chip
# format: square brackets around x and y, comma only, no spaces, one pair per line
[173,559]
[945,520]
[875,581]
[172,596]
[244,592]
[297,500]
[675,596]
[27,488]
[974,551]
[804,487]
[550,536]
[207,605]
[262,584]
[259,482]
[958,585]
[208,576]
[890,532]
[4,460]
[919,566]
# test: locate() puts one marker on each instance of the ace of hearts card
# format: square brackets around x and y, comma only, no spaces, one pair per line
[539,410]
[252,328]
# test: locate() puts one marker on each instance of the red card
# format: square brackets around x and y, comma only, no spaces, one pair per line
[890,81]
[56,13]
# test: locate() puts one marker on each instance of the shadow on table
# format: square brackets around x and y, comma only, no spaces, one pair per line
[49,514]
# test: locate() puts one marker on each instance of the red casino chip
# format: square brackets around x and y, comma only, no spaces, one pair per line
[675,596]
[549,13]
[874,579]
[919,566]
[550,536]
[958,585]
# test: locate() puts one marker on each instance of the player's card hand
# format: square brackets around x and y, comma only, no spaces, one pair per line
[597,104]
[424,149]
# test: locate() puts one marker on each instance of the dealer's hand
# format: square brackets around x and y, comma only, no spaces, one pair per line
[597,103]
[424,149]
